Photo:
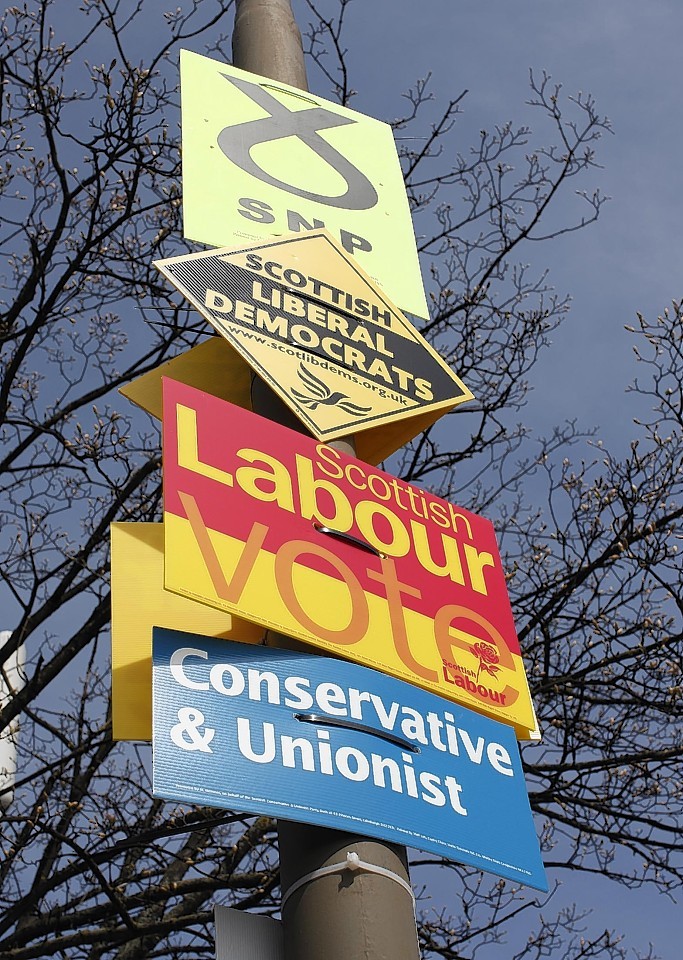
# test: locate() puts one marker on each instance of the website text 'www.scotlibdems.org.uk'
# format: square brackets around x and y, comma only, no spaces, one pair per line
[316,361]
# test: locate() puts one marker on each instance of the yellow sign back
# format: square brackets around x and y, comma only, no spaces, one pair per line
[139,602]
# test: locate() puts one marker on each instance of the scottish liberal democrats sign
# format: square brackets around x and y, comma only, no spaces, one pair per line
[267,524]
[263,158]
[326,742]
[325,338]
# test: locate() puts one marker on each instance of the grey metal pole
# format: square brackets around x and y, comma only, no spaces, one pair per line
[359,915]
[266,40]
[344,915]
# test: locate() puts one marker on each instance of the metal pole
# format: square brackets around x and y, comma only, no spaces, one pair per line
[341,915]
[266,40]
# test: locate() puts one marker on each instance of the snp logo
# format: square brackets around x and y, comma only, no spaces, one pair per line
[238,141]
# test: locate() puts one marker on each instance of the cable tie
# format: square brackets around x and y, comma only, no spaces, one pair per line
[353,864]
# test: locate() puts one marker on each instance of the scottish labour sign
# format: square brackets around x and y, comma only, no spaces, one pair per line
[267,524]
[320,741]
[263,158]
[319,332]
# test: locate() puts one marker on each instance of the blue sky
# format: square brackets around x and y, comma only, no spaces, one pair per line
[626,54]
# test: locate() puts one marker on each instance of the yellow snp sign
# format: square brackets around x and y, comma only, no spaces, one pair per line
[325,338]
[140,602]
[263,158]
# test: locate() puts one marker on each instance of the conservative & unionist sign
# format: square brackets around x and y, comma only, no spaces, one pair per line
[322,741]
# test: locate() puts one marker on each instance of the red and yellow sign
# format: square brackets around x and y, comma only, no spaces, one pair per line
[291,533]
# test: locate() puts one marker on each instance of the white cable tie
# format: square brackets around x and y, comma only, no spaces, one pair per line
[353,864]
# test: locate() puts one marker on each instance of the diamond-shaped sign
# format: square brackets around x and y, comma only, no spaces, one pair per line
[317,329]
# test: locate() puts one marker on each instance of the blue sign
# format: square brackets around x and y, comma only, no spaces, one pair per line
[324,741]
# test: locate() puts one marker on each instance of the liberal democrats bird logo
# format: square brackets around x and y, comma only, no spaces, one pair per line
[321,394]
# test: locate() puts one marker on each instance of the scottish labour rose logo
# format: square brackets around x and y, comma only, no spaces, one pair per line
[488,658]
